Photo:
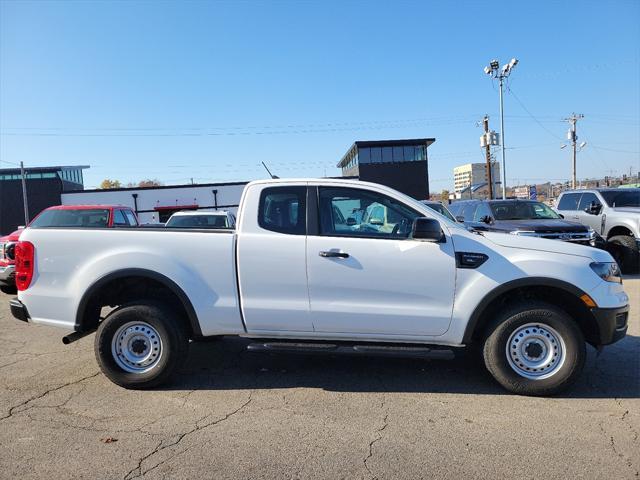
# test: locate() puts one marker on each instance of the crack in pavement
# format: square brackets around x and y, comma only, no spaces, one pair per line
[614,449]
[137,471]
[12,410]
[385,424]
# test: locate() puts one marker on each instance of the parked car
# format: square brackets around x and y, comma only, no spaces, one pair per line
[293,278]
[86,216]
[201,219]
[523,217]
[612,212]
[7,261]
[440,208]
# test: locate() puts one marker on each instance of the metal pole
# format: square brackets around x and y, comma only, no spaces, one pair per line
[24,195]
[504,170]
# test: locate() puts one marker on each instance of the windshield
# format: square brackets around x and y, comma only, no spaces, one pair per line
[85,218]
[522,211]
[441,209]
[198,221]
[623,198]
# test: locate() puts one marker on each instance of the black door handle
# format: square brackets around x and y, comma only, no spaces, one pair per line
[334,255]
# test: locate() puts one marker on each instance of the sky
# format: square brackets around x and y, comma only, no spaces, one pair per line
[204,90]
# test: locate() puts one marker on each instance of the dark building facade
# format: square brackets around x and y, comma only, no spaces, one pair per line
[399,164]
[44,185]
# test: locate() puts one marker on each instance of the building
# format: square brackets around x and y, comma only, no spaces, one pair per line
[44,186]
[473,174]
[157,204]
[399,164]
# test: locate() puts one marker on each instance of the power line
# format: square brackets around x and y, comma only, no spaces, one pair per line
[531,114]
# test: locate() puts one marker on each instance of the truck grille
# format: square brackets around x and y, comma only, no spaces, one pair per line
[582,237]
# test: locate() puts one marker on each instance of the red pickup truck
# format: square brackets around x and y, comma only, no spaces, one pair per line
[84,216]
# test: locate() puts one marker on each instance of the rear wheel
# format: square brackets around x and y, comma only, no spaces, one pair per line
[8,289]
[534,349]
[625,250]
[140,345]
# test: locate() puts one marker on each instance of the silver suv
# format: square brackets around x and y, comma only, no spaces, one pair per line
[612,212]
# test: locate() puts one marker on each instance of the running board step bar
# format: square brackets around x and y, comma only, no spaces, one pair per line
[353,349]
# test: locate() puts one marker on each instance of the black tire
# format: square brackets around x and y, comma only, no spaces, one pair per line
[561,371]
[625,250]
[8,289]
[174,344]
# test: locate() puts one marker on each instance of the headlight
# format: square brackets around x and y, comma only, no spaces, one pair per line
[608,271]
[525,233]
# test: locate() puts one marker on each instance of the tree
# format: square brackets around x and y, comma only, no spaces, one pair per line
[150,183]
[444,196]
[108,183]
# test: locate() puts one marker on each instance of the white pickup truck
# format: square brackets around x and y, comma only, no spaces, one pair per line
[332,266]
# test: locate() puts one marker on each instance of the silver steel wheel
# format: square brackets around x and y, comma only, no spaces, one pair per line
[136,347]
[536,351]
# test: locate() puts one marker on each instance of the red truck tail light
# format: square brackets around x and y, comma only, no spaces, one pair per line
[25,253]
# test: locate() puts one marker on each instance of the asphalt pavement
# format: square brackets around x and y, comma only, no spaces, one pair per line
[235,414]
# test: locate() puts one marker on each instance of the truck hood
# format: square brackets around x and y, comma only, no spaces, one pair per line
[635,210]
[544,245]
[538,226]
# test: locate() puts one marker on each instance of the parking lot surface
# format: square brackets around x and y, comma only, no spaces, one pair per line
[235,414]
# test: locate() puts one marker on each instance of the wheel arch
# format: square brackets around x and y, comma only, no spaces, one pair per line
[619,230]
[564,295]
[87,317]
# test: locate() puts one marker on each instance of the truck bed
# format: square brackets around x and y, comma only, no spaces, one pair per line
[70,260]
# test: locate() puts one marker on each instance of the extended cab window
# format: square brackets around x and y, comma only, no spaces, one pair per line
[362,213]
[569,201]
[283,210]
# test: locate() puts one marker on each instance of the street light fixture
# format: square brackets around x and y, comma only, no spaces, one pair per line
[500,73]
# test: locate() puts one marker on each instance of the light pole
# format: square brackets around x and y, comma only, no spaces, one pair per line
[495,71]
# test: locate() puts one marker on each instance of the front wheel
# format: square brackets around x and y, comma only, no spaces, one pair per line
[534,349]
[140,345]
[625,251]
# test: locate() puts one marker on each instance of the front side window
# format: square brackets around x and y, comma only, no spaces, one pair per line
[569,201]
[482,212]
[586,200]
[362,213]
[283,210]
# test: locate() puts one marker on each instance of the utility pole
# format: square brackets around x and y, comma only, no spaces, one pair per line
[24,195]
[573,138]
[487,148]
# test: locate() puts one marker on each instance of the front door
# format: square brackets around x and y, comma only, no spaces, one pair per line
[367,277]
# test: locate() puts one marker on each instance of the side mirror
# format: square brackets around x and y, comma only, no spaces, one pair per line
[460,219]
[351,221]
[427,229]
[593,209]
[487,219]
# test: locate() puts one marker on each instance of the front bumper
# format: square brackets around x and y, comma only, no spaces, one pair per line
[612,323]
[8,275]
[18,310]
